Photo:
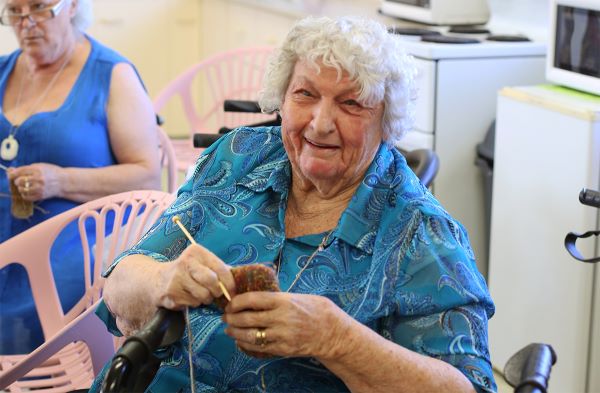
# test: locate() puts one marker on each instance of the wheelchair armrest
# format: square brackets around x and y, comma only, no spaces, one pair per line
[424,163]
[134,365]
[529,369]
[241,106]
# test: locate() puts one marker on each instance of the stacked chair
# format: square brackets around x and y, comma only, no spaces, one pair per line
[234,74]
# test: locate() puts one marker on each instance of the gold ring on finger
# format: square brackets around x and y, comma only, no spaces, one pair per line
[261,337]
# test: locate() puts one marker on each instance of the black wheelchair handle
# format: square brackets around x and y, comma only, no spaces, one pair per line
[528,370]
[137,352]
[205,140]
[590,197]
[241,106]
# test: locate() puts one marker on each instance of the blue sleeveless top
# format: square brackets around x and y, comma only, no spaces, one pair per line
[74,135]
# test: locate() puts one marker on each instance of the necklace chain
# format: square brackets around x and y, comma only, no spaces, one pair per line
[320,248]
[41,98]
[9,147]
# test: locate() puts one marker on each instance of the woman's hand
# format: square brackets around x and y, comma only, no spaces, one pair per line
[293,324]
[36,182]
[193,279]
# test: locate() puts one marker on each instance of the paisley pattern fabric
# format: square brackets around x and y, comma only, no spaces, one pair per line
[396,262]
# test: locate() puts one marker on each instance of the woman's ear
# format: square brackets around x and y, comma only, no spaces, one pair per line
[73,8]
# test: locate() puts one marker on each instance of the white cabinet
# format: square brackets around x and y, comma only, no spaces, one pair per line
[547,150]
[454,109]
[228,24]
[161,37]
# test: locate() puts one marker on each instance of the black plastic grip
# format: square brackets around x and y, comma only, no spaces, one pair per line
[528,370]
[590,197]
[136,355]
[205,140]
[241,106]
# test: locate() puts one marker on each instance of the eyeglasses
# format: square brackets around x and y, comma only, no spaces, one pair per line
[39,12]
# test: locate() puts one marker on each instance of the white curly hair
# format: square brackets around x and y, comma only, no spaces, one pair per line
[364,49]
[84,16]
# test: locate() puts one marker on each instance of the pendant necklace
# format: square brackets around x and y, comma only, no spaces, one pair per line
[9,148]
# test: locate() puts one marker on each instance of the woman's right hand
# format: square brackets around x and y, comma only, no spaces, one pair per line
[193,279]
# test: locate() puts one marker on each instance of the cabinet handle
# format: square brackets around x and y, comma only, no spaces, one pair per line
[110,21]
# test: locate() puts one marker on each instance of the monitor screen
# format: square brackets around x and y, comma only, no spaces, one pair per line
[577,40]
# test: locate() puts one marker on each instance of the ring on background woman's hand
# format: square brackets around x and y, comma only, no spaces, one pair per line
[261,337]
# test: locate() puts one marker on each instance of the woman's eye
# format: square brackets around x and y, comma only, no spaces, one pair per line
[351,103]
[305,93]
[38,6]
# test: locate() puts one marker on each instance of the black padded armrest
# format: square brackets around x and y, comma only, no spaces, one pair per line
[529,369]
[241,106]
[424,163]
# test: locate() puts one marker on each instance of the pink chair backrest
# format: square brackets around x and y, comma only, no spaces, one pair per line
[32,248]
[168,161]
[233,74]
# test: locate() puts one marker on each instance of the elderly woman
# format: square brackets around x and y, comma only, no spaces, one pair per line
[379,289]
[76,124]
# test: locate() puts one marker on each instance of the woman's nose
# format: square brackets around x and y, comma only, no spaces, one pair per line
[27,21]
[324,117]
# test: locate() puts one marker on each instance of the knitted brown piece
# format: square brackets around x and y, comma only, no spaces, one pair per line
[19,207]
[253,277]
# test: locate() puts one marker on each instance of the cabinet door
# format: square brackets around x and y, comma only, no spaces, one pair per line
[227,25]
[425,106]
[138,30]
[162,39]
[184,35]
[543,157]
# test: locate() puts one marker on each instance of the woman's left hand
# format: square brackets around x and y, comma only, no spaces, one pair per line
[293,324]
[36,181]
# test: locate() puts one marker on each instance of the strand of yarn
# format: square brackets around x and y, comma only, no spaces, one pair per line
[190,348]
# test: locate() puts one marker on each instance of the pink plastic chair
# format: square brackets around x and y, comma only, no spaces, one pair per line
[60,364]
[168,162]
[234,74]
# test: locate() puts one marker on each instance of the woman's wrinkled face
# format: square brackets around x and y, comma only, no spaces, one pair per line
[329,135]
[41,39]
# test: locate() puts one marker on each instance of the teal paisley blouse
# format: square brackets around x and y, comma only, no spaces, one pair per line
[396,262]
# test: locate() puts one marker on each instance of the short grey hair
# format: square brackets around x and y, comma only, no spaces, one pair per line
[84,16]
[364,49]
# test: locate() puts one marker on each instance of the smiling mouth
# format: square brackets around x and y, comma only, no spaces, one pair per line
[320,145]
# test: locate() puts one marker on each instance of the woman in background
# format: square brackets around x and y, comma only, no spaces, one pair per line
[76,124]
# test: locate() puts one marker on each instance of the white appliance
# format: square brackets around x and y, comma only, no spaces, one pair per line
[456,104]
[439,12]
[547,150]
[574,45]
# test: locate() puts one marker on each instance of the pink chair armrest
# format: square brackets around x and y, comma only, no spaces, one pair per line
[86,327]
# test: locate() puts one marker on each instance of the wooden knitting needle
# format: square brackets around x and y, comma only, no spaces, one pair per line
[177,221]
